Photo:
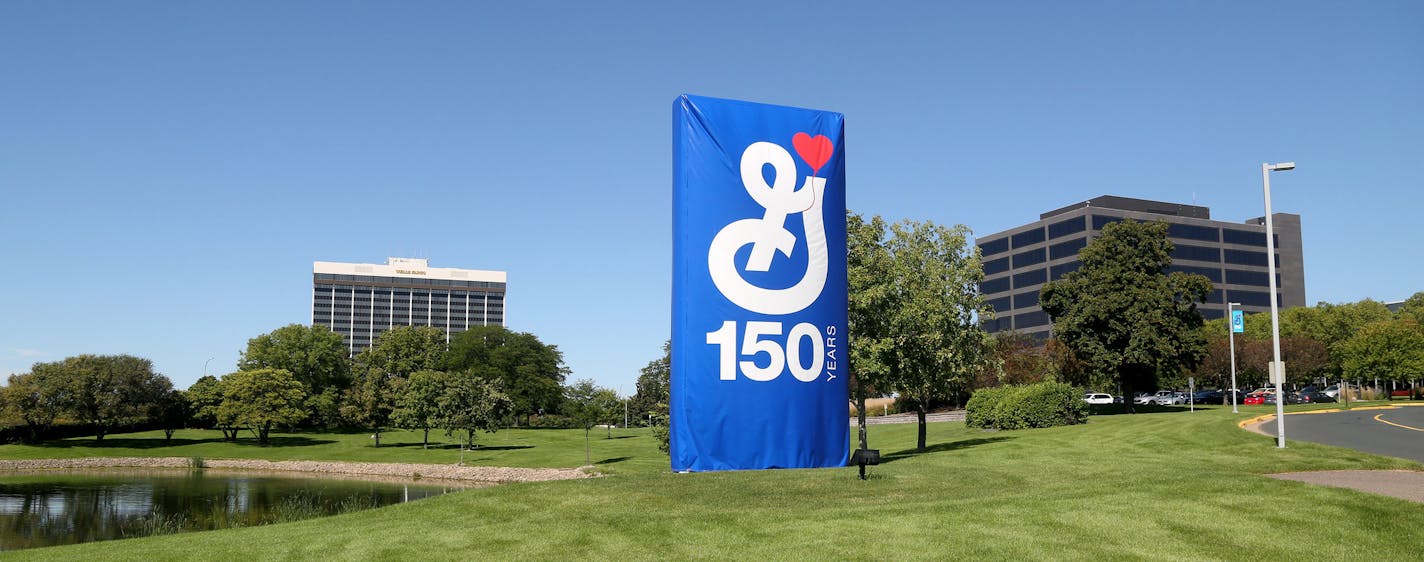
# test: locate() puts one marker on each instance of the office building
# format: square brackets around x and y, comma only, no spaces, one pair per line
[361,300]
[1018,261]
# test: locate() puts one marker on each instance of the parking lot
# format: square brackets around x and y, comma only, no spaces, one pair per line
[1396,432]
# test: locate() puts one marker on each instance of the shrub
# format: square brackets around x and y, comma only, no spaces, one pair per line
[1044,404]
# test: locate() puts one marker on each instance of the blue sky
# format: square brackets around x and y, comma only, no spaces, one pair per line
[170,170]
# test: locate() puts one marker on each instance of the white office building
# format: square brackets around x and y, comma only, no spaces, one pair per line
[362,300]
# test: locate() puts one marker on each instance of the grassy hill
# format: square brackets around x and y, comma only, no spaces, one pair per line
[1162,486]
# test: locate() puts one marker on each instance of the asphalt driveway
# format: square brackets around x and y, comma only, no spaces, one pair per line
[1396,432]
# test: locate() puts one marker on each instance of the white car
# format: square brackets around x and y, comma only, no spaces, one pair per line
[1097,398]
[1168,398]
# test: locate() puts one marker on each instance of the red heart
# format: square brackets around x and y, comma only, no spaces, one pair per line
[814,150]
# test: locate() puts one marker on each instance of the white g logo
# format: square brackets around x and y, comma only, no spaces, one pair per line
[769,233]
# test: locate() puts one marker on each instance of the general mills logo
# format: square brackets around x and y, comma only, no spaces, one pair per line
[768,234]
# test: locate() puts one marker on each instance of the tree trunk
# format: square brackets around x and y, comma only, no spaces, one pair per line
[425,444]
[378,437]
[99,433]
[920,412]
[168,434]
[470,438]
[860,416]
[610,431]
[262,432]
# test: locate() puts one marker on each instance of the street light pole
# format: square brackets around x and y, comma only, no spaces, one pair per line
[1280,369]
[205,366]
[1231,337]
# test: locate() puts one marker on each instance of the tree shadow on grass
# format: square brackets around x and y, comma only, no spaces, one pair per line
[613,460]
[942,447]
[123,443]
[1119,409]
[282,441]
[455,446]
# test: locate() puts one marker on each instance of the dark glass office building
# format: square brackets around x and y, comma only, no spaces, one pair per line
[360,301]
[1018,261]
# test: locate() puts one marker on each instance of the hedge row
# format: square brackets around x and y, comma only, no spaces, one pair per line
[1044,404]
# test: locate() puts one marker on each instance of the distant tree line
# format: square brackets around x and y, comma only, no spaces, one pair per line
[300,377]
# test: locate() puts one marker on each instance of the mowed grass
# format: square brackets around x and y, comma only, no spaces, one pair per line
[542,448]
[1174,485]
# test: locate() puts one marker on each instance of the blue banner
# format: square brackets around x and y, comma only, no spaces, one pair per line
[1238,322]
[759,356]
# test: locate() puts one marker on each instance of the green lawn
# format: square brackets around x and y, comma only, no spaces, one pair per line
[1162,486]
[627,450]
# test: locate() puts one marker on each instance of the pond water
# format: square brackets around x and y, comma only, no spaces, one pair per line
[65,507]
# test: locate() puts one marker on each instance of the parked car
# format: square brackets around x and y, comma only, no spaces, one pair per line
[1169,398]
[1290,399]
[1207,396]
[1333,390]
[1142,398]
[1097,398]
[1258,396]
[1313,397]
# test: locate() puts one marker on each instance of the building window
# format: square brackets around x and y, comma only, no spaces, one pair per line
[1000,304]
[1099,221]
[1257,278]
[1030,319]
[996,266]
[1193,232]
[1058,271]
[1027,278]
[1211,273]
[1232,236]
[1247,257]
[991,286]
[1066,249]
[1196,253]
[1064,228]
[1029,257]
[991,247]
[1026,299]
[1028,237]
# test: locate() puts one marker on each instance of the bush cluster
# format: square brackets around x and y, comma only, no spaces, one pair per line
[1044,404]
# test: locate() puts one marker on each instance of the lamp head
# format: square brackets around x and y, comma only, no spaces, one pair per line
[1281,167]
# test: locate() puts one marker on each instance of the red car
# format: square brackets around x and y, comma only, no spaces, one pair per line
[1258,397]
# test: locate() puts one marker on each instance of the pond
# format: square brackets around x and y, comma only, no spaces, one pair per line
[66,507]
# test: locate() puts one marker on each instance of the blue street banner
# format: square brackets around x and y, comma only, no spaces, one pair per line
[759,356]
[1238,322]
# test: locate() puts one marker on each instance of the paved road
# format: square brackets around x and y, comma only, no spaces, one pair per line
[1397,433]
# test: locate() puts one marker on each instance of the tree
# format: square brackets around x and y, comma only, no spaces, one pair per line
[34,399]
[261,399]
[919,322]
[1022,361]
[417,405]
[867,261]
[528,371]
[1392,350]
[1123,315]
[204,397]
[653,386]
[371,400]
[588,404]
[1412,309]
[403,350]
[107,391]
[171,412]
[314,355]
[471,403]
[654,395]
